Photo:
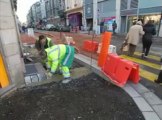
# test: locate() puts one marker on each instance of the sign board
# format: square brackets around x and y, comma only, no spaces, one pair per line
[30,32]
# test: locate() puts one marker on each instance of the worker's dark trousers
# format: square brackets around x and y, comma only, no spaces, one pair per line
[132,49]
[146,46]
[160,77]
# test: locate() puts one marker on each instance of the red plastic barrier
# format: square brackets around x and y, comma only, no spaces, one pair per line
[120,71]
[111,64]
[134,75]
[90,46]
[123,71]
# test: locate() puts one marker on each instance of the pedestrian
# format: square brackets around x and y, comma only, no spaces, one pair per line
[133,37]
[149,30]
[159,80]
[90,28]
[61,56]
[114,26]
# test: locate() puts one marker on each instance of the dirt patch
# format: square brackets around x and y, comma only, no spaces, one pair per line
[87,98]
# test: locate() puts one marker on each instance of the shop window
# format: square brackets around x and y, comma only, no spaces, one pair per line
[124,4]
[134,4]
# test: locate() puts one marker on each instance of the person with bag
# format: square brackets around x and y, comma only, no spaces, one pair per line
[149,30]
[133,37]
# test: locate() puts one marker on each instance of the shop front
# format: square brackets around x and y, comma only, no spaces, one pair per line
[75,19]
[144,18]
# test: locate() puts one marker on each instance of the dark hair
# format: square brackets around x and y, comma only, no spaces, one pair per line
[41,37]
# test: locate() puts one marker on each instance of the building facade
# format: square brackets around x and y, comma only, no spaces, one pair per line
[106,11]
[11,65]
[145,10]
[38,12]
[54,10]
[74,13]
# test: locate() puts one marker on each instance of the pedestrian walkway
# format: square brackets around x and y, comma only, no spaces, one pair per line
[149,67]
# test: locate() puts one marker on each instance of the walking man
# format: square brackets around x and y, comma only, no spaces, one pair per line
[114,26]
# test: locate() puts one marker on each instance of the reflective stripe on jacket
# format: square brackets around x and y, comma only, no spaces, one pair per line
[55,55]
[49,42]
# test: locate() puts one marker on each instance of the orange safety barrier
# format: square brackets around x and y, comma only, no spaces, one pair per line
[4,81]
[106,38]
[120,70]
[111,63]
[90,46]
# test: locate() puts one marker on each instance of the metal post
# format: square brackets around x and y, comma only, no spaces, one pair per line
[138,9]
[95,11]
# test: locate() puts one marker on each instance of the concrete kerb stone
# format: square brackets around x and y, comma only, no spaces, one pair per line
[8,90]
[141,95]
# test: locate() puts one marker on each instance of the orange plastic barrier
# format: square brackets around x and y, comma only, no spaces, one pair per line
[111,63]
[4,81]
[120,71]
[106,38]
[90,46]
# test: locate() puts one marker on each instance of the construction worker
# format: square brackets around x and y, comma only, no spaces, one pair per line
[43,43]
[61,56]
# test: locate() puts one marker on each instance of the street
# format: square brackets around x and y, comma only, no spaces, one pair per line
[149,68]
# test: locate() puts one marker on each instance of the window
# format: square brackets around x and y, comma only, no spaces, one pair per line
[124,4]
[134,4]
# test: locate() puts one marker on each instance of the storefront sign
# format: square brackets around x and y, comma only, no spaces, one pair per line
[89,11]
[108,23]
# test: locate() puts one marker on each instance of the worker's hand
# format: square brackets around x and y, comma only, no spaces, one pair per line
[49,75]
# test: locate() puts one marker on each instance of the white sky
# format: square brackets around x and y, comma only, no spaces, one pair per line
[23,7]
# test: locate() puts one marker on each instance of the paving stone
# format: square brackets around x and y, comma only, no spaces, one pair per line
[131,91]
[150,116]
[139,88]
[158,110]
[142,104]
[152,98]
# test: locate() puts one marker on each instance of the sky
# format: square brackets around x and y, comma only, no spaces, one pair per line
[23,7]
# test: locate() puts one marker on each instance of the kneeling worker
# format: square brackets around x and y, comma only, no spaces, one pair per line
[61,56]
[43,43]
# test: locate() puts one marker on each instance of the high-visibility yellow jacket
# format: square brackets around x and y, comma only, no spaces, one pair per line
[59,55]
[55,55]
[47,44]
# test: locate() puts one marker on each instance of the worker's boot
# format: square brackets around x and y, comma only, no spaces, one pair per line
[66,80]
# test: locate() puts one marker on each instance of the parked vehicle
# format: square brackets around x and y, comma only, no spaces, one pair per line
[50,27]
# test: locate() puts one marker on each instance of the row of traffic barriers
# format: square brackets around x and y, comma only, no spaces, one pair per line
[120,70]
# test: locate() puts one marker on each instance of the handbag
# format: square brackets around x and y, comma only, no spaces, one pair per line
[125,48]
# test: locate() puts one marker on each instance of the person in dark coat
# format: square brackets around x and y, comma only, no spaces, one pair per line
[114,26]
[149,30]
[159,79]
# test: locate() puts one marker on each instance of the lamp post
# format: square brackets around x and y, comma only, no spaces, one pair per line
[138,9]
[95,15]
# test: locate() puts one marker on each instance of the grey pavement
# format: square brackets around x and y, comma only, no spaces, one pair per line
[149,104]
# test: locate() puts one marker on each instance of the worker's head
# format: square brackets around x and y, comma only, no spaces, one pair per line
[42,39]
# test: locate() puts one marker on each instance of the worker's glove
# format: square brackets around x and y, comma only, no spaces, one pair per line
[49,75]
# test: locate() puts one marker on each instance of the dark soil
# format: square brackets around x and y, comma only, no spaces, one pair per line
[88,98]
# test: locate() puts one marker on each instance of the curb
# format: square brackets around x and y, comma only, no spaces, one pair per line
[148,103]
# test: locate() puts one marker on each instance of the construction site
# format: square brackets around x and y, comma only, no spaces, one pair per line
[105,84]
